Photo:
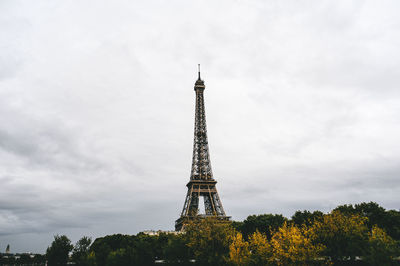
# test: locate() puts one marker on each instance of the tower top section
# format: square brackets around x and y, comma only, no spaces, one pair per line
[199,85]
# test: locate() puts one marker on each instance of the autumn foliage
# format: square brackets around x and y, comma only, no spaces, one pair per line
[334,238]
[318,239]
[290,244]
[363,234]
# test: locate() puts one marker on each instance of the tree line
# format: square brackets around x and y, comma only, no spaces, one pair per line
[361,234]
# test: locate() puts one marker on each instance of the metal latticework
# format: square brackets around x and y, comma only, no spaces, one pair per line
[201,165]
[202,183]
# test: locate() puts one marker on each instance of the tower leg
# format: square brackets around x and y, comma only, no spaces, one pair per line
[194,204]
[208,205]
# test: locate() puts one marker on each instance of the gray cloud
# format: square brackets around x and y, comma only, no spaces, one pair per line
[97,108]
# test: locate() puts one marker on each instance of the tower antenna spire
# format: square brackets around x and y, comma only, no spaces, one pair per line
[199,70]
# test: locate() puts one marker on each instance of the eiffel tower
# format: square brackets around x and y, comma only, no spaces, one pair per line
[202,183]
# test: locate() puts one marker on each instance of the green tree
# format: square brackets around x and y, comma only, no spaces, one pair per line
[91,259]
[381,249]
[119,257]
[377,215]
[176,250]
[102,246]
[305,217]
[392,224]
[237,225]
[39,259]
[138,250]
[24,259]
[81,251]
[101,251]
[159,244]
[264,223]
[143,249]
[209,240]
[345,236]
[57,253]
[9,260]
[347,209]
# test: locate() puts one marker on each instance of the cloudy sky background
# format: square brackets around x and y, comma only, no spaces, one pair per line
[97,110]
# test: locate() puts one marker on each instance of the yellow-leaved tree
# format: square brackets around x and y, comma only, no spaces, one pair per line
[261,250]
[239,253]
[208,240]
[295,245]
[381,249]
[344,235]
[289,245]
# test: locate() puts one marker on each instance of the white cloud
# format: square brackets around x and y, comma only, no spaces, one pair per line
[97,108]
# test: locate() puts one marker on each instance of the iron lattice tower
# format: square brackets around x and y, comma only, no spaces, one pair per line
[202,183]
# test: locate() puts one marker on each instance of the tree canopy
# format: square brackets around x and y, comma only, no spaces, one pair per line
[363,233]
[58,253]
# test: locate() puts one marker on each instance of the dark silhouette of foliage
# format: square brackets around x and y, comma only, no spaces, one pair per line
[39,259]
[264,223]
[381,248]
[208,239]
[57,253]
[377,215]
[392,224]
[360,234]
[81,251]
[176,250]
[344,236]
[305,217]
[237,225]
[133,250]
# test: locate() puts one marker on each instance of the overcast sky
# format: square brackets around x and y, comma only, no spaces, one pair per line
[97,110]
